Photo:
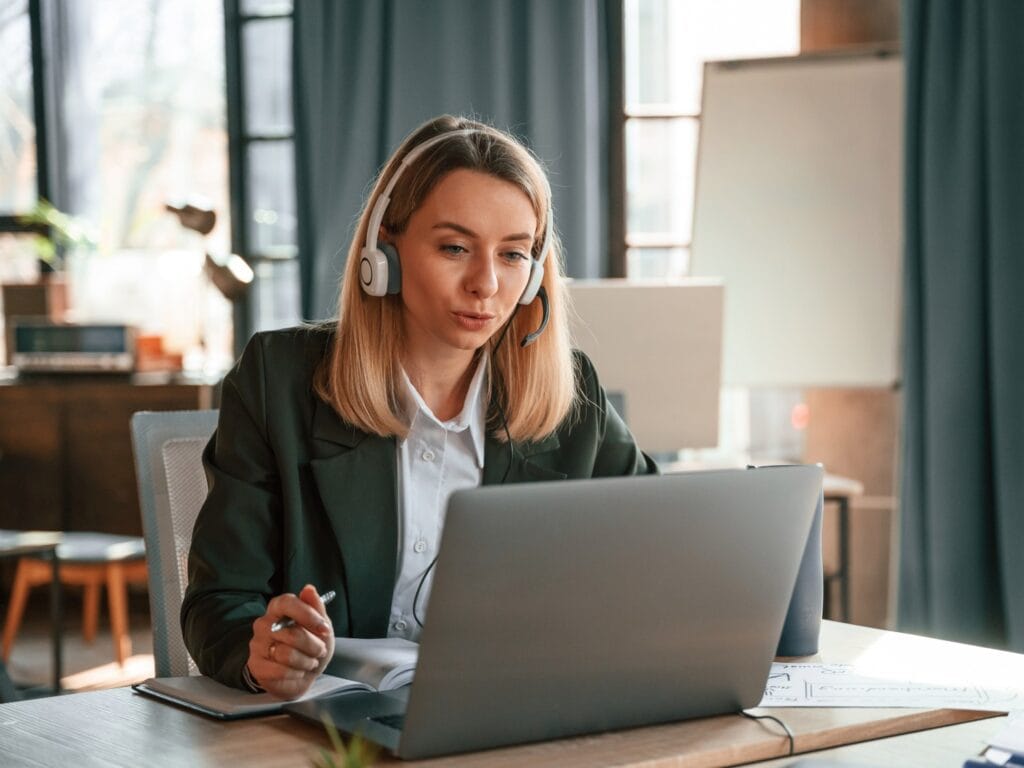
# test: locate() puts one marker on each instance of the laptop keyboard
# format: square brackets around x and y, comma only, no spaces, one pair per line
[391,721]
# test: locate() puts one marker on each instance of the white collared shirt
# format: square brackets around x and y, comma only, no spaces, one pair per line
[435,459]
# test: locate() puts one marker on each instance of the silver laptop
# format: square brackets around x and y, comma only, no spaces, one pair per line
[566,608]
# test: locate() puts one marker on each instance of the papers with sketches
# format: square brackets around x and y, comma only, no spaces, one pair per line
[841,685]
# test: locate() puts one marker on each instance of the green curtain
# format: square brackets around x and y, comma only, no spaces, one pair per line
[962,538]
[367,73]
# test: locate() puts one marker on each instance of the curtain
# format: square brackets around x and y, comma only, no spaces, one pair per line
[961,572]
[366,74]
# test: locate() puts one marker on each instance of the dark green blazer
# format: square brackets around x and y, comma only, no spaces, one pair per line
[298,496]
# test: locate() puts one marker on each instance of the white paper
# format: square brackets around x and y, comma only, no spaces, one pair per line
[841,685]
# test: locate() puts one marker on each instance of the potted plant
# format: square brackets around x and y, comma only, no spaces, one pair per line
[57,233]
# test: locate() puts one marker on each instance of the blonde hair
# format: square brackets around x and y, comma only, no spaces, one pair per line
[532,389]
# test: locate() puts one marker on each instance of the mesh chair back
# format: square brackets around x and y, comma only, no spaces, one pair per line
[168,448]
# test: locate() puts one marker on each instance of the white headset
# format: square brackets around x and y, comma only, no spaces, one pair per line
[379,270]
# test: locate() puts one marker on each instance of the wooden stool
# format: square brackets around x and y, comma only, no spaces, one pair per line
[88,560]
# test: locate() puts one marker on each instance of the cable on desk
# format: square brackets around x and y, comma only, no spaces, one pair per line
[789,733]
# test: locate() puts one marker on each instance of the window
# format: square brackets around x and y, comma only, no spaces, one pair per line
[18,136]
[19,183]
[666,43]
[110,110]
[259,34]
[134,114]
[158,118]
[139,95]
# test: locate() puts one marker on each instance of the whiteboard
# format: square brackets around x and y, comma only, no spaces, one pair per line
[799,211]
[657,346]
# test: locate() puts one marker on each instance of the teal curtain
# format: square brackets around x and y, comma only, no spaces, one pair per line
[962,569]
[367,73]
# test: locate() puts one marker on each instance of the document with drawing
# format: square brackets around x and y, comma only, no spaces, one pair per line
[844,685]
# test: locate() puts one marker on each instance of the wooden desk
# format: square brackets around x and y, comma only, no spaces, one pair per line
[937,748]
[119,728]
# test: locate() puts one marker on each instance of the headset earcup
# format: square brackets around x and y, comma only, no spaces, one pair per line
[373,271]
[394,267]
[379,270]
[533,283]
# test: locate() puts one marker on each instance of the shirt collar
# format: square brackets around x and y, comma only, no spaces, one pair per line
[472,417]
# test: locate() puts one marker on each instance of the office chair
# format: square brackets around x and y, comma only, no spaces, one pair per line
[168,447]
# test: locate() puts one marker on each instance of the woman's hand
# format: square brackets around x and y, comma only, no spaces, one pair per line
[285,663]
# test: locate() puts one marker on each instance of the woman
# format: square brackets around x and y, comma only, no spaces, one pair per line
[338,446]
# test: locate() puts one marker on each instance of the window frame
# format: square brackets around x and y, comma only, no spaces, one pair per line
[624,240]
[239,141]
[653,241]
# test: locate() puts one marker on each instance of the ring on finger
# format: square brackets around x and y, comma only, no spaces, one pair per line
[270,650]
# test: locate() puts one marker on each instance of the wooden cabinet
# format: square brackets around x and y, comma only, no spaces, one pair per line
[65,449]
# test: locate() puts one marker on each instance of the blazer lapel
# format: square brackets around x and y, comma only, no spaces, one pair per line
[356,477]
[513,465]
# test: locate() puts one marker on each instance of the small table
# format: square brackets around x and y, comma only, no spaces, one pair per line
[839,490]
[41,544]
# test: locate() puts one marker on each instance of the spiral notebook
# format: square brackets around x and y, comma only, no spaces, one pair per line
[206,696]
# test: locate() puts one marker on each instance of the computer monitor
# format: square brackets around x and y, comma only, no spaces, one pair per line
[657,347]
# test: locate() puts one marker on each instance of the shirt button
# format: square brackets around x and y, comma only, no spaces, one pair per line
[428,455]
[420,546]
[401,625]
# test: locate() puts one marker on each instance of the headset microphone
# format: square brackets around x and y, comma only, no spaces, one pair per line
[529,338]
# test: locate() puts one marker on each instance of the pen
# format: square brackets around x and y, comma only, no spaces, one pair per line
[282,623]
